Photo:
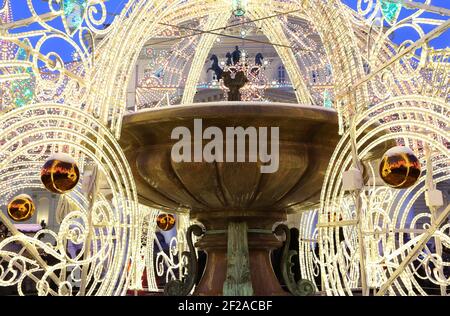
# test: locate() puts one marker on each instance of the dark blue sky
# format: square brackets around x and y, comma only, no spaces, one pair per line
[405,33]
[20,11]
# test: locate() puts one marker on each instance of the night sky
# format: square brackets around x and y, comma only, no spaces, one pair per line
[20,11]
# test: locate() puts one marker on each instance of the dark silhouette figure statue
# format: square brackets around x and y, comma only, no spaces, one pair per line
[258,63]
[236,55]
[229,62]
[259,59]
[234,82]
[215,67]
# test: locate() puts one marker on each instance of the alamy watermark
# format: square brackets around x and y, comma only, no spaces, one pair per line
[231,147]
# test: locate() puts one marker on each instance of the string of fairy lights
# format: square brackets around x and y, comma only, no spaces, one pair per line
[161,80]
[61,121]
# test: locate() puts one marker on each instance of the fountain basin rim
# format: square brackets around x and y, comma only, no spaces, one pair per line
[225,108]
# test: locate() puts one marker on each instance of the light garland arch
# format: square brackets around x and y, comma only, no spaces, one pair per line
[98,86]
[139,24]
[384,210]
[103,227]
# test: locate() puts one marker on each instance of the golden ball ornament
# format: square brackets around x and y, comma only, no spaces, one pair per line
[165,221]
[60,173]
[400,168]
[21,208]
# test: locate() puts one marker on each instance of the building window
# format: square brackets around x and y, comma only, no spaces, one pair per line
[366,68]
[314,76]
[281,74]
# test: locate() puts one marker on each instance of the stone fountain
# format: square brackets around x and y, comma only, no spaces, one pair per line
[236,202]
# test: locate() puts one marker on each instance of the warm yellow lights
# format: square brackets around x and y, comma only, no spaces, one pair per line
[382,92]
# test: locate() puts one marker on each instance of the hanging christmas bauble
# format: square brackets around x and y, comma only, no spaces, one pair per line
[400,168]
[60,173]
[165,221]
[21,208]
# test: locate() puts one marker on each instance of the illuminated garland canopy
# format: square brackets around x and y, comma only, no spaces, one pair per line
[334,56]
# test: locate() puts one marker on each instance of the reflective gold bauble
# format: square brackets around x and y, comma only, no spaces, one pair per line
[21,208]
[165,221]
[60,173]
[400,168]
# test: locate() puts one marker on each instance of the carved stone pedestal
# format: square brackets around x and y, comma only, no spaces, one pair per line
[248,274]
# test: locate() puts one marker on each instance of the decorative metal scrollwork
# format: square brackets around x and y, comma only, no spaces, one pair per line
[302,287]
[183,288]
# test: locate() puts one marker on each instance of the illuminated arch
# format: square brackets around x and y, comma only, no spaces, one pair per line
[390,207]
[273,31]
[201,53]
[140,22]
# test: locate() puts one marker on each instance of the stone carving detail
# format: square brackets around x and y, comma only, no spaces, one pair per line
[302,287]
[183,288]
[238,281]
